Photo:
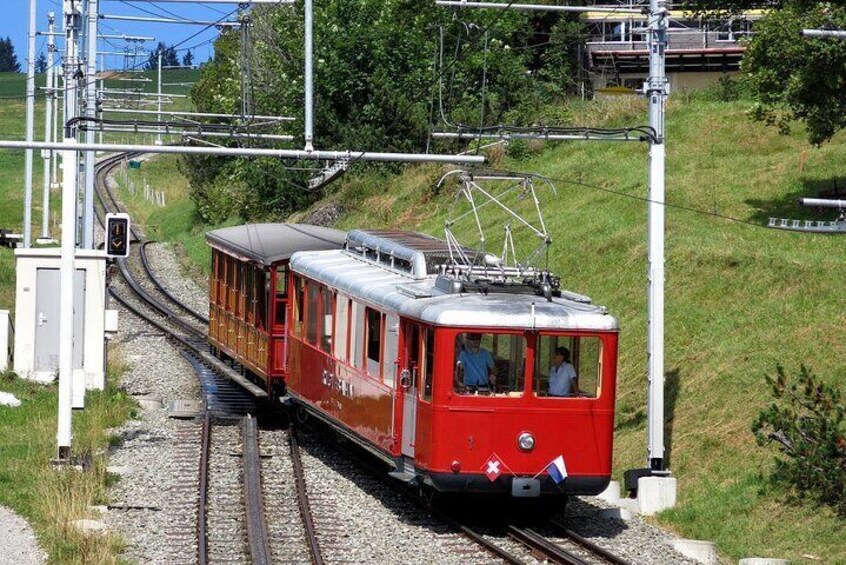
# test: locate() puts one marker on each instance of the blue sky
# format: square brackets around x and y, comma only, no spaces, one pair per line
[15,24]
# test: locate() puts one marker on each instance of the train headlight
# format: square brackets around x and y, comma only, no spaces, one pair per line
[526,441]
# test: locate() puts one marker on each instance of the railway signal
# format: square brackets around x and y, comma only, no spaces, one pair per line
[117,235]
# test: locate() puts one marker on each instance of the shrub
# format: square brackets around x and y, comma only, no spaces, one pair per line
[806,422]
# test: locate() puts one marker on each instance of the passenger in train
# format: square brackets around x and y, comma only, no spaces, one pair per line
[563,380]
[476,363]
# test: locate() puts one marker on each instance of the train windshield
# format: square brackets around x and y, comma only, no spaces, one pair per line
[489,363]
[567,366]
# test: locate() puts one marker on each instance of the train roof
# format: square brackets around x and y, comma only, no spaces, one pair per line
[270,243]
[427,299]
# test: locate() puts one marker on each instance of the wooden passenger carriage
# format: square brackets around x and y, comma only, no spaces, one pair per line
[372,335]
[248,297]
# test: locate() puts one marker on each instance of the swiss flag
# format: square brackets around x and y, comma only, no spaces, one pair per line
[493,467]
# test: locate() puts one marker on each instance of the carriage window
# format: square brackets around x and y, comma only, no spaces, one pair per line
[373,340]
[567,366]
[281,294]
[299,306]
[327,301]
[230,281]
[487,363]
[428,358]
[215,261]
[239,289]
[281,281]
[262,291]
[312,292]
[250,287]
[357,338]
[342,308]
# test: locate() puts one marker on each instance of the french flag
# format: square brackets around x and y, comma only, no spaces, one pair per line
[557,470]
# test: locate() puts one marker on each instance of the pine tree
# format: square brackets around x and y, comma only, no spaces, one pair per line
[188,59]
[169,58]
[8,59]
[41,64]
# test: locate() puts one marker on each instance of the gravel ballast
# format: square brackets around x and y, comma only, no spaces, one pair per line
[17,540]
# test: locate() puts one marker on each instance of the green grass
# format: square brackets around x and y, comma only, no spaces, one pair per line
[51,498]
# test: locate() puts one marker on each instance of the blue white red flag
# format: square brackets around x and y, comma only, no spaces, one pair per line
[557,470]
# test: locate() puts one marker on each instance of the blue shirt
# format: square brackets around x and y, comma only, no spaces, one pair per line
[476,366]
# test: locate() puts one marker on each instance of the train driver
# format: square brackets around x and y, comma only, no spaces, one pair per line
[476,362]
[563,380]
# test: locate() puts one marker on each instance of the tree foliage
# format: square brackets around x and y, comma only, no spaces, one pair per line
[169,58]
[381,74]
[807,423]
[41,63]
[8,59]
[792,77]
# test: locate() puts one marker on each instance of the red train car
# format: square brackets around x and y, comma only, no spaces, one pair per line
[464,380]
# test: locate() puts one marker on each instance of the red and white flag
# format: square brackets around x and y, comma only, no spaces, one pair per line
[493,467]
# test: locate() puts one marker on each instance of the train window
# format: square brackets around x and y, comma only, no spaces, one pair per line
[327,301]
[312,292]
[567,366]
[357,338]
[281,281]
[281,295]
[299,305]
[215,276]
[428,358]
[488,363]
[342,309]
[231,263]
[262,291]
[250,288]
[374,341]
[239,289]
[391,349]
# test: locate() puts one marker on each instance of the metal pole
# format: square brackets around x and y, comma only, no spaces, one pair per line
[91,112]
[159,118]
[197,114]
[824,33]
[537,7]
[295,154]
[68,247]
[309,75]
[656,91]
[822,202]
[54,181]
[48,133]
[30,126]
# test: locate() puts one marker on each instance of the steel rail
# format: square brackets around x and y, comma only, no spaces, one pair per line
[418,501]
[149,270]
[589,545]
[302,500]
[257,534]
[536,542]
[202,524]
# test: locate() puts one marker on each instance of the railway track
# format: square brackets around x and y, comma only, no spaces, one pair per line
[230,493]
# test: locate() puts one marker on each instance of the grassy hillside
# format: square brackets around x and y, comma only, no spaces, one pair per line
[740,298]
